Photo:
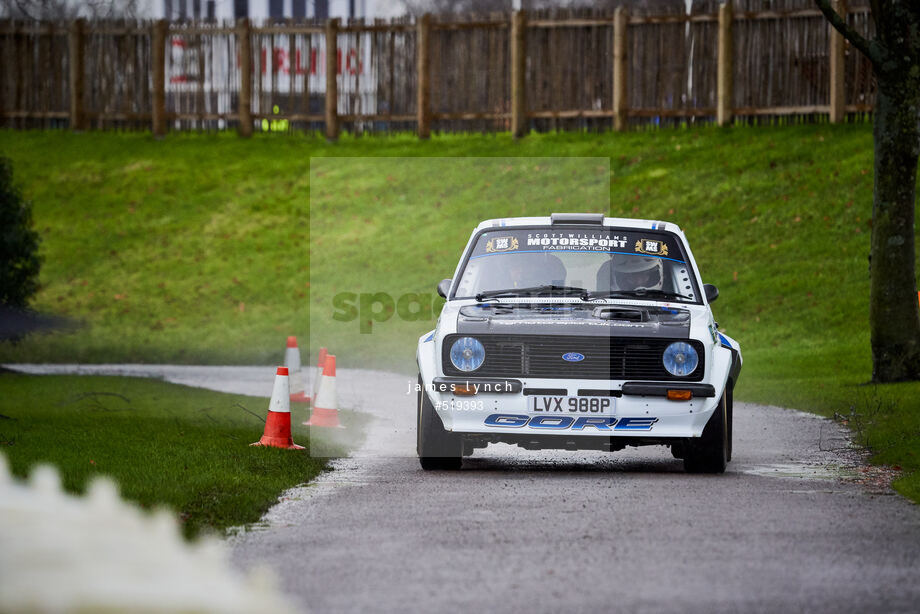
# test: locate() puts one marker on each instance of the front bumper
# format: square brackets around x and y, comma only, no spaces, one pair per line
[639,409]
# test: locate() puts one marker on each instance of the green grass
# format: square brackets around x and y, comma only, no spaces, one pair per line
[165,445]
[197,249]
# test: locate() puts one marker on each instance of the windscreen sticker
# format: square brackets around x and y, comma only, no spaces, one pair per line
[652,247]
[501,244]
[575,241]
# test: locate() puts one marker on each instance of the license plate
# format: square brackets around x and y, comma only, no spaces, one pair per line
[591,406]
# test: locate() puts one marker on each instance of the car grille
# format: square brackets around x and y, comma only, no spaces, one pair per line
[541,356]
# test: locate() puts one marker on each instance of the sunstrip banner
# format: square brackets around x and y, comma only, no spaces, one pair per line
[611,241]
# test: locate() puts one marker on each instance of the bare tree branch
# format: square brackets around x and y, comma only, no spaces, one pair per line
[62,9]
[869,49]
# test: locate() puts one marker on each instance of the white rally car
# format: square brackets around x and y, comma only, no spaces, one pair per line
[577,331]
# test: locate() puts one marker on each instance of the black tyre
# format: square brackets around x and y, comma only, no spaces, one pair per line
[729,393]
[437,448]
[711,453]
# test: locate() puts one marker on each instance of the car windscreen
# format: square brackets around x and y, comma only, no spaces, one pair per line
[624,262]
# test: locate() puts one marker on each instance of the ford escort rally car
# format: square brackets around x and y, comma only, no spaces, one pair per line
[577,331]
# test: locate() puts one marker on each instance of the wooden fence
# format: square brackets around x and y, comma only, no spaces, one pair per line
[518,72]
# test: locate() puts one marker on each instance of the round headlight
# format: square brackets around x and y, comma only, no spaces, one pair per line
[680,358]
[467,354]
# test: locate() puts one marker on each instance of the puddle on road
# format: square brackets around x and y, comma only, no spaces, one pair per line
[802,471]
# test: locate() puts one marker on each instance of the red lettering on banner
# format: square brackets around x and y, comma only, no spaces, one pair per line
[351,62]
[280,60]
[298,65]
[347,61]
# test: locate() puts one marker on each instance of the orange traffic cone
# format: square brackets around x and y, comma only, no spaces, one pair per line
[318,376]
[325,412]
[292,362]
[278,424]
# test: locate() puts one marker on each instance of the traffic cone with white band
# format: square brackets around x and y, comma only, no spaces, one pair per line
[325,412]
[292,362]
[278,423]
[318,376]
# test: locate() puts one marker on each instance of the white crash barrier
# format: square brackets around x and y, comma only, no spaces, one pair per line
[63,553]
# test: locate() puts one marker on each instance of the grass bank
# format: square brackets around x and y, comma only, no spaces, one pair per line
[198,249]
[165,445]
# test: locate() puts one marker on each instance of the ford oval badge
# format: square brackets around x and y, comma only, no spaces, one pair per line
[573,357]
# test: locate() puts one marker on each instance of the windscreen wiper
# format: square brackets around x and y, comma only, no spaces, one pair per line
[639,293]
[549,289]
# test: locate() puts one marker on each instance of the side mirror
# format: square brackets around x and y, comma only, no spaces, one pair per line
[444,288]
[712,293]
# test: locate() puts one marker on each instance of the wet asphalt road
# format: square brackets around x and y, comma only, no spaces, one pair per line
[787,528]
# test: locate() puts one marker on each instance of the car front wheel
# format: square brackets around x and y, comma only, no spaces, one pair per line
[436,447]
[711,452]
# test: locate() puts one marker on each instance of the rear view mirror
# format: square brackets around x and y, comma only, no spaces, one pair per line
[712,293]
[444,288]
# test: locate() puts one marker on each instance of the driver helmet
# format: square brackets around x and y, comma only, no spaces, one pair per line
[633,272]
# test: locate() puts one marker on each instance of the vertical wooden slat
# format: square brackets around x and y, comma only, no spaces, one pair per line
[244,44]
[391,71]
[292,71]
[18,46]
[261,68]
[725,86]
[4,42]
[837,67]
[267,106]
[126,53]
[46,62]
[200,98]
[620,69]
[423,66]
[308,61]
[332,90]
[60,79]
[77,29]
[359,101]
[158,57]
[518,68]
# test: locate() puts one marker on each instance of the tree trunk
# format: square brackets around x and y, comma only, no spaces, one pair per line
[894,313]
